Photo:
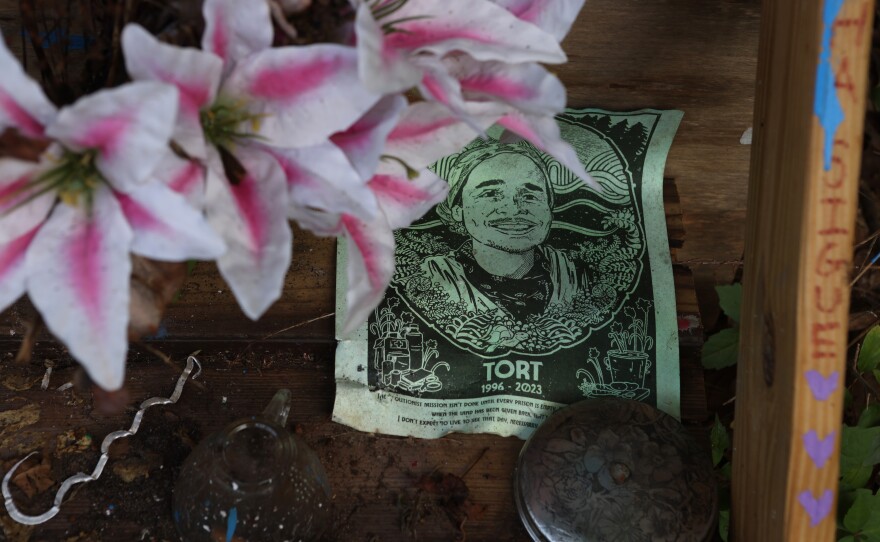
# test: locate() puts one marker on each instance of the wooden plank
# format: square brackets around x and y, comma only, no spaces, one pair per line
[696,56]
[624,54]
[802,206]
[375,478]
[206,306]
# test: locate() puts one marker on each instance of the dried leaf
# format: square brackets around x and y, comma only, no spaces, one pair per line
[15,419]
[36,479]
[131,468]
[14,531]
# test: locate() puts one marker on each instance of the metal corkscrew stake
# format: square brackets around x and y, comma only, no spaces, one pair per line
[83,478]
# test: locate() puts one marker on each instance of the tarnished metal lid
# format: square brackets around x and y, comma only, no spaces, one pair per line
[614,469]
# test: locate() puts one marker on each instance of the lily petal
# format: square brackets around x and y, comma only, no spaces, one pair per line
[235,29]
[439,85]
[12,269]
[166,228]
[251,216]
[528,87]
[543,133]
[370,267]
[320,223]
[23,104]
[554,16]
[315,86]
[428,131]
[129,127]
[78,270]
[195,73]
[363,141]
[479,28]
[321,177]
[382,69]
[186,177]
[20,208]
[404,200]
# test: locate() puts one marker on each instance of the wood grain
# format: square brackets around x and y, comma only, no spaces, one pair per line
[796,292]
[699,57]
[692,55]
[374,477]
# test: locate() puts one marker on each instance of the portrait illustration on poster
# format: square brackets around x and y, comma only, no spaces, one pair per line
[524,283]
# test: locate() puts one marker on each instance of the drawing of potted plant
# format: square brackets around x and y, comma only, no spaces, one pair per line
[628,360]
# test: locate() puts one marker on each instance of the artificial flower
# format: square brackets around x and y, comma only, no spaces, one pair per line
[259,119]
[552,16]
[69,221]
[458,54]
[393,36]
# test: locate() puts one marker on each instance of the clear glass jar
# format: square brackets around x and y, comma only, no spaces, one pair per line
[253,481]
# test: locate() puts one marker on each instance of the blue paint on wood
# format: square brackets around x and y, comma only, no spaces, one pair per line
[826,104]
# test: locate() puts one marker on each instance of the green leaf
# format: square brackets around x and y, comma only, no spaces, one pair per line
[845,500]
[847,538]
[863,517]
[721,350]
[869,353]
[859,452]
[725,471]
[730,299]
[724,524]
[870,417]
[720,441]
[877,375]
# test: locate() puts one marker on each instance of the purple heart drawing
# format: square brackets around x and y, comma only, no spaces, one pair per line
[822,387]
[817,509]
[819,450]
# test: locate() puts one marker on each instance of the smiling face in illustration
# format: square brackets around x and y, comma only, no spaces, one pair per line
[505,204]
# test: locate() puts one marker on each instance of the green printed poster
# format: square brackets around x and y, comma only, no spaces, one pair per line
[524,290]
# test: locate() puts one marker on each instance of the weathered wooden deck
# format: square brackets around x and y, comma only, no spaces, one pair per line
[692,55]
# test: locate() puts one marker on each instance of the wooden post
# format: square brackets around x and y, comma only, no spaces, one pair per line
[809,116]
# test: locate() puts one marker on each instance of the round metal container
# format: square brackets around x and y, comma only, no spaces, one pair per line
[613,469]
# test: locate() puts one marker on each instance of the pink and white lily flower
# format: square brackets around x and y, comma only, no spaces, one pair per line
[259,119]
[393,36]
[69,221]
[479,52]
